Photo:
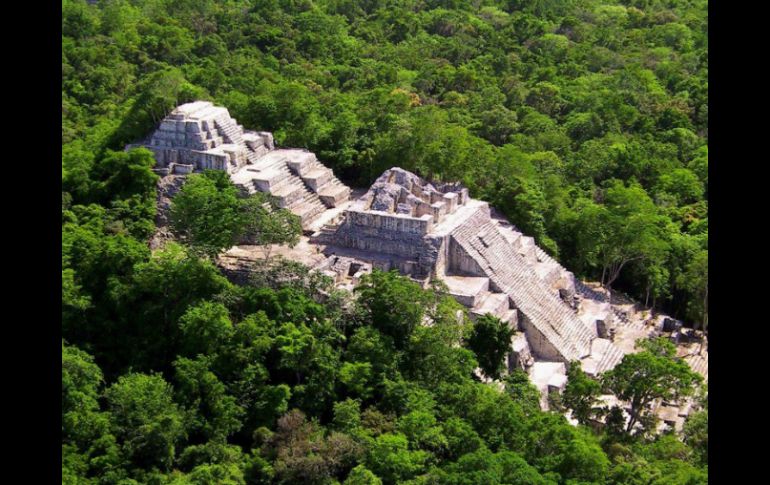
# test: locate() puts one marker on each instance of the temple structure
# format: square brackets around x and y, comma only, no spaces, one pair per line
[426,231]
[437,231]
[198,136]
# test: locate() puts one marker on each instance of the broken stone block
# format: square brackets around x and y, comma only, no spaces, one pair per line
[520,356]
[602,329]
[671,325]
[403,209]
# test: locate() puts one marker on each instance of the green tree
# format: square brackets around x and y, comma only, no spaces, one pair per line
[581,393]
[625,228]
[145,419]
[695,280]
[88,446]
[490,340]
[206,328]
[360,475]
[522,391]
[122,174]
[207,217]
[390,458]
[654,373]
[212,414]
[394,305]
[267,224]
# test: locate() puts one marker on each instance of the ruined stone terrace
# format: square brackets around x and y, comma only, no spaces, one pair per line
[198,136]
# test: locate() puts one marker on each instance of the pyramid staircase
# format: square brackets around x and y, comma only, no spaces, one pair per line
[507,261]
[320,180]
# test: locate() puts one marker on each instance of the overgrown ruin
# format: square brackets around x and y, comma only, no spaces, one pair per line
[425,231]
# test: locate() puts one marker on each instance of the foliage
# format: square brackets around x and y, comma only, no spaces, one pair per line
[395,305]
[654,373]
[207,216]
[581,393]
[267,224]
[490,340]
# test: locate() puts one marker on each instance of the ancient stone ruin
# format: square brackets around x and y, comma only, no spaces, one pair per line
[198,136]
[426,231]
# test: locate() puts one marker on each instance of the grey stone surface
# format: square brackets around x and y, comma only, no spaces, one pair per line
[671,325]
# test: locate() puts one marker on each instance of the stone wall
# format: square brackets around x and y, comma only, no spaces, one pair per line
[539,345]
[375,223]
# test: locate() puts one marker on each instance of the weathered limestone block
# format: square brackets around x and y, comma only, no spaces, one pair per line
[539,344]
[438,210]
[467,290]
[404,209]
[334,195]
[566,295]
[520,356]
[556,384]
[268,138]
[181,169]
[464,197]
[450,200]
[384,201]
[397,223]
[423,208]
[404,178]
[315,179]
[301,163]
[671,325]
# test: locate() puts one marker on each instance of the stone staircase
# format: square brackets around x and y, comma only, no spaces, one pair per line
[548,269]
[512,275]
[699,364]
[519,268]
[611,357]
[229,129]
[320,180]
[272,174]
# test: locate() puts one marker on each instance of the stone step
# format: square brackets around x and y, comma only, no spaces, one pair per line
[301,162]
[610,359]
[494,303]
[289,193]
[334,194]
[317,178]
[269,180]
[467,290]
[308,211]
